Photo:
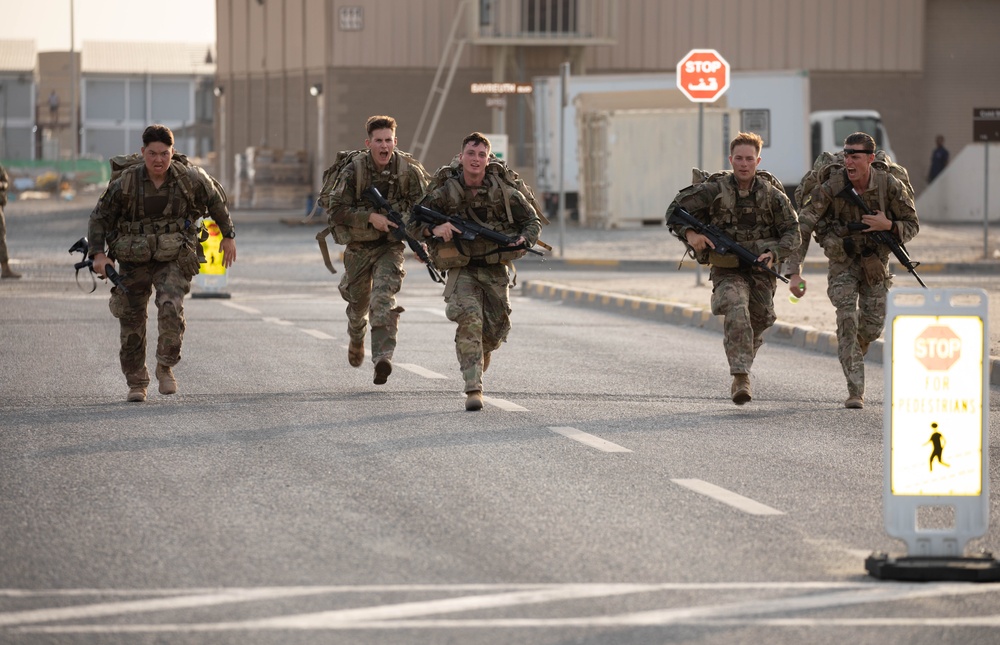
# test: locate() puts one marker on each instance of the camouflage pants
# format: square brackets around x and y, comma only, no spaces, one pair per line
[860,318]
[479,302]
[4,258]
[171,286]
[747,302]
[373,275]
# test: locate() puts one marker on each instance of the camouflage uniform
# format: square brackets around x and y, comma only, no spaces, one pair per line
[4,180]
[761,219]
[151,234]
[373,262]
[860,302]
[479,277]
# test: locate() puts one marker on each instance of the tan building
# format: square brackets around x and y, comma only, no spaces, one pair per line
[924,64]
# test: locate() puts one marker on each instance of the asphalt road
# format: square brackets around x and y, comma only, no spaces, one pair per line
[609,492]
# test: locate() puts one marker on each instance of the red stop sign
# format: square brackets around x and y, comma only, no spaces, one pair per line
[938,348]
[703,75]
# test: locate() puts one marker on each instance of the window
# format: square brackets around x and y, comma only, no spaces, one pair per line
[171,102]
[549,16]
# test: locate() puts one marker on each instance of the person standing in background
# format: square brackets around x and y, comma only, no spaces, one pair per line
[939,159]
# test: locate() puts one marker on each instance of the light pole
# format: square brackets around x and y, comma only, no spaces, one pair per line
[316,90]
[73,84]
[220,94]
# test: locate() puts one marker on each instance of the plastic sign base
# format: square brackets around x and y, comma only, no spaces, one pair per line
[211,294]
[982,568]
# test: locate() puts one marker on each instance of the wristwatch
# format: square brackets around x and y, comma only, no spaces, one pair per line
[231,234]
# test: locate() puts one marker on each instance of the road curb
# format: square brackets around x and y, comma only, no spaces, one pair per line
[809,266]
[801,336]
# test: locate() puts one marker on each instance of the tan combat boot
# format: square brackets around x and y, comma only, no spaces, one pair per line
[168,384]
[473,400]
[356,353]
[8,274]
[855,402]
[136,394]
[383,368]
[486,361]
[741,388]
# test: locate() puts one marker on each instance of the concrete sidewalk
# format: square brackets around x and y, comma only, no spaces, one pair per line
[635,272]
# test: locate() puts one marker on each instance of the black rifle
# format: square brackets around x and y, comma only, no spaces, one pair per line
[723,243]
[469,230]
[399,233]
[83,246]
[881,237]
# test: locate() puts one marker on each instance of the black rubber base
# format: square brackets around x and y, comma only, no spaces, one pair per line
[211,294]
[982,568]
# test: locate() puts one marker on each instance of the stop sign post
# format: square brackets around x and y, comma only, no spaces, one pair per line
[703,75]
[935,426]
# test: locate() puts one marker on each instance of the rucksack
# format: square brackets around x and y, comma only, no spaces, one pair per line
[332,177]
[498,168]
[826,163]
[344,158]
[728,196]
[186,180]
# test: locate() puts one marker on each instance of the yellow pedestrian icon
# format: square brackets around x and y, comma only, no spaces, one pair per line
[938,440]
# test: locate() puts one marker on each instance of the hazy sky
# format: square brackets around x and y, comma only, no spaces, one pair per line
[47,21]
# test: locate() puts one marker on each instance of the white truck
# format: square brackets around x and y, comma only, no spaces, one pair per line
[772,104]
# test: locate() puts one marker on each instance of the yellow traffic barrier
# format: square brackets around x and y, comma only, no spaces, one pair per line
[212,277]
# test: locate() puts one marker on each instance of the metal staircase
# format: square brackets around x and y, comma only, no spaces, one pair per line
[439,90]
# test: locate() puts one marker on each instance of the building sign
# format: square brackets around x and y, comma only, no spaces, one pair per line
[986,124]
[500,88]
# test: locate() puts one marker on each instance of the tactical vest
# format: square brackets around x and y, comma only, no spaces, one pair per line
[838,241]
[750,223]
[141,238]
[487,208]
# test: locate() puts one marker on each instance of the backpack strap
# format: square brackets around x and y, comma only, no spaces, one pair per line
[360,167]
[506,202]
[402,166]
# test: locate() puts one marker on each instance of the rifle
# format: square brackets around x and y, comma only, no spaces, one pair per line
[723,243]
[469,230]
[83,246]
[881,237]
[399,233]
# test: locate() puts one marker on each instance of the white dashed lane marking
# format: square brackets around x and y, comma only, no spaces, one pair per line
[243,308]
[420,371]
[504,404]
[315,333]
[588,439]
[735,500]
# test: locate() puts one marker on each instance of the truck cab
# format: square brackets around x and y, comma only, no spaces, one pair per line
[829,128]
